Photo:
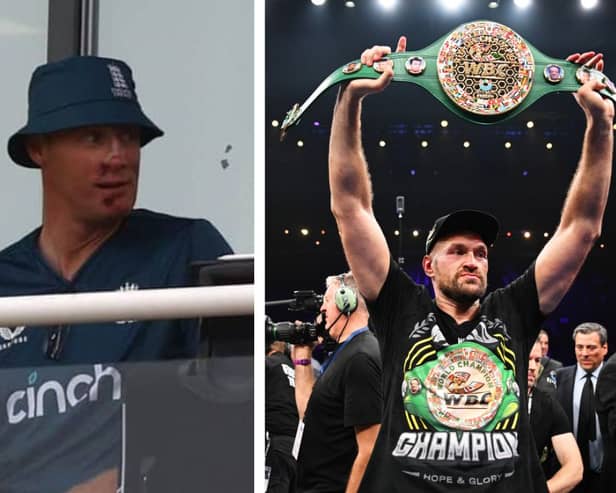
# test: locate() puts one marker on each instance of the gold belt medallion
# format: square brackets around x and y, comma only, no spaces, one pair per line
[485,68]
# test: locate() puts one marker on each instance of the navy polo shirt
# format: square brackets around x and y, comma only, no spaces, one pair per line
[61,420]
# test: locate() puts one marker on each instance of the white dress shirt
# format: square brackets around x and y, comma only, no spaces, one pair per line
[595,449]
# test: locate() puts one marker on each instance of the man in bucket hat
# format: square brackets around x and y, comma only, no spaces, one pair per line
[84,133]
[467,428]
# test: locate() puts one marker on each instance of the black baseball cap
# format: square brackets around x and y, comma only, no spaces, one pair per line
[482,223]
[77,92]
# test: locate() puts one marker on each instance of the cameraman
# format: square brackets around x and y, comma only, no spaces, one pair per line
[280,417]
[341,410]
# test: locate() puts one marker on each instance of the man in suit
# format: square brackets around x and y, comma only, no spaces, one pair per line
[606,411]
[576,394]
[546,374]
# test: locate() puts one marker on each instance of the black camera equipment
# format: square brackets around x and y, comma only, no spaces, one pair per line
[293,333]
[301,332]
[303,300]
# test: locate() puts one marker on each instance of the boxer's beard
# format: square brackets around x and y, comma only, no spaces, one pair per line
[462,293]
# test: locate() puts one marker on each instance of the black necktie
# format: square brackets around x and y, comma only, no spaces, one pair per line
[586,422]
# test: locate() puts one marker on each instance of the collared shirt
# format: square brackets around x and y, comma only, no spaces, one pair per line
[595,449]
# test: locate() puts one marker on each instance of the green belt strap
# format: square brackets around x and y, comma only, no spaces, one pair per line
[537,87]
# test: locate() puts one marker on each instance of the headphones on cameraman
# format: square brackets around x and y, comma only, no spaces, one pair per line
[345,297]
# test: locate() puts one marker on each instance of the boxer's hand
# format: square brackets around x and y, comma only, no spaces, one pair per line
[594,105]
[362,87]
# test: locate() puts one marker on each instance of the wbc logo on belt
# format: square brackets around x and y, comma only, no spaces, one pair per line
[485,68]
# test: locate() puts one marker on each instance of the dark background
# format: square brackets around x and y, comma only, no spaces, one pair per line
[524,186]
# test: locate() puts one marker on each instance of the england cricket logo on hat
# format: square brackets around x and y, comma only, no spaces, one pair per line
[120,87]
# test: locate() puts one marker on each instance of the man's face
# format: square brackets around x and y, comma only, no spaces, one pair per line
[331,312]
[458,267]
[415,386]
[90,173]
[534,362]
[544,344]
[588,350]
[554,72]
[584,76]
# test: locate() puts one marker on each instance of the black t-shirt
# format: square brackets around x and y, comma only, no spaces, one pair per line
[281,416]
[346,395]
[547,419]
[455,396]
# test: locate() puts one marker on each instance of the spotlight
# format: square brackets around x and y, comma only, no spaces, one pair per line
[602,245]
[396,232]
[466,144]
[508,234]
[300,143]
[444,123]
[387,4]
[304,231]
[507,145]
[415,233]
[349,4]
[317,242]
[526,234]
[424,143]
[546,234]
[530,124]
[549,146]
[275,123]
[318,3]
[588,4]
[522,4]
[286,231]
[322,232]
[382,143]
[451,4]
[493,4]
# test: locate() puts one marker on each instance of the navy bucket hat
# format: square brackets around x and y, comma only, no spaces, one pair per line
[76,92]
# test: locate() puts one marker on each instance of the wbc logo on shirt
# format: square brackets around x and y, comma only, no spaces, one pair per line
[466,389]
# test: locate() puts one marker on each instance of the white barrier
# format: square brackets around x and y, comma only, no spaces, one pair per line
[144,304]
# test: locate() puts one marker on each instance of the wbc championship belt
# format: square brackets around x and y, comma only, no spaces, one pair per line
[482,71]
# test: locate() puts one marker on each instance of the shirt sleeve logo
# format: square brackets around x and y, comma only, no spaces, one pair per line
[11,336]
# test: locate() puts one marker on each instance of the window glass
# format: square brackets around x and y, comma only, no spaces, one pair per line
[193,65]
[23,41]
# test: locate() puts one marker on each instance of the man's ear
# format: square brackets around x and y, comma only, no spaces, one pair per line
[34,145]
[427,264]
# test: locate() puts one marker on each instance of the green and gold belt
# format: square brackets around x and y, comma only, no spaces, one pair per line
[482,71]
